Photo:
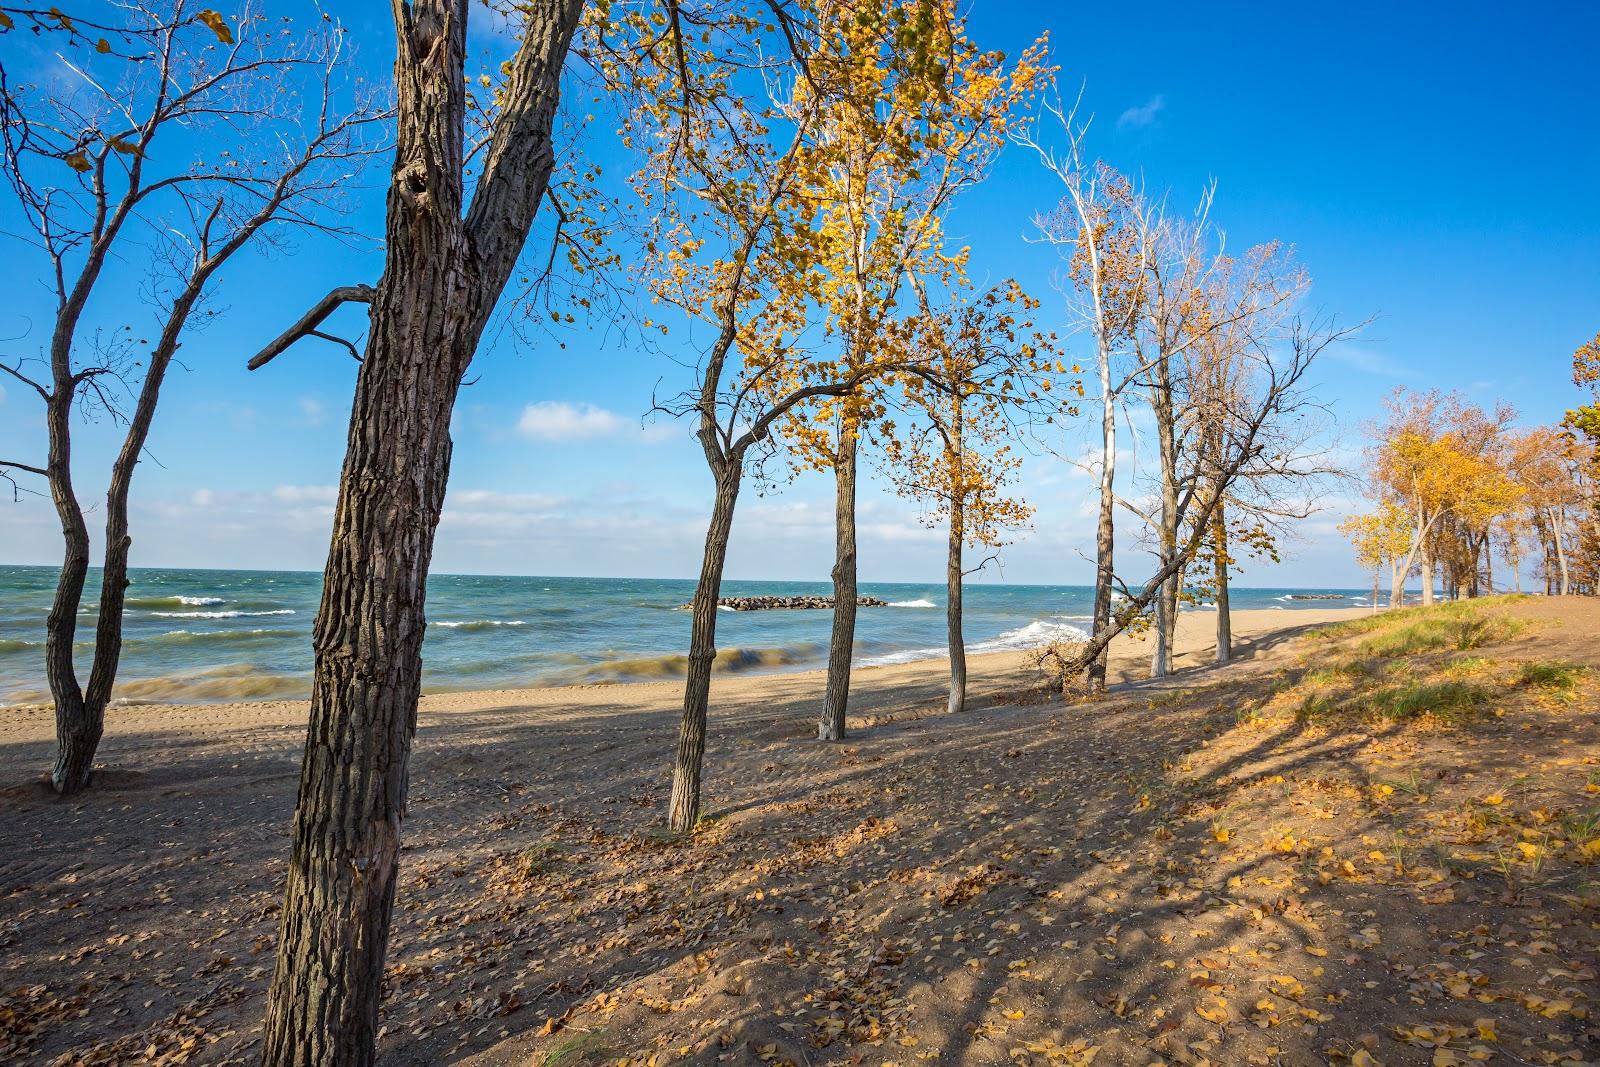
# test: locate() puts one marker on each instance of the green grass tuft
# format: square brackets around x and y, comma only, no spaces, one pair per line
[1561,677]
[579,1050]
[539,859]
[1452,702]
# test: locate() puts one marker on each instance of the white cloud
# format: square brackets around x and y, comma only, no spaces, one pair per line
[557,420]
[305,494]
[1144,115]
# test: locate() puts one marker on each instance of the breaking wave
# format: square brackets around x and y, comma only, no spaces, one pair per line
[479,624]
[220,614]
[920,603]
[1036,634]
[174,601]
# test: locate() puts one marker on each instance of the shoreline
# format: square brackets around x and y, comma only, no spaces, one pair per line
[1194,642]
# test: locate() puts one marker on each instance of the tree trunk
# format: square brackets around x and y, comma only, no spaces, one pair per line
[1426,567]
[684,810]
[78,726]
[841,644]
[443,274]
[1486,552]
[1224,605]
[368,644]
[1375,574]
[1166,619]
[952,611]
[114,570]
[1104,529]
[1160,654]
[1558,537]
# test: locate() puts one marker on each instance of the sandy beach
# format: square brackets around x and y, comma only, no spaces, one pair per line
[877,885]
[737,697]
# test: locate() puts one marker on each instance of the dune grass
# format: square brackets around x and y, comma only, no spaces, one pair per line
[1405,666]
[1541,674]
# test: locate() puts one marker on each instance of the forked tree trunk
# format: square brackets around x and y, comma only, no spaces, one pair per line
[78,726]
[77,745]
[443,274]
[841,643]
[684,810]
[1224,607]
[1558,537]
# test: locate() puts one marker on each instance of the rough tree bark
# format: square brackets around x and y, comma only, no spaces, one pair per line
[443,274]
[684,810]
[841,642]
[78,725]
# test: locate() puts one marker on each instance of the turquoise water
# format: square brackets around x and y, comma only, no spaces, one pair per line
[210,635]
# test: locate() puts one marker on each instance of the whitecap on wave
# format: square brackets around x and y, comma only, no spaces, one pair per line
[174,601]
[479,624]
[920,603]
[1036,634]
[219,614]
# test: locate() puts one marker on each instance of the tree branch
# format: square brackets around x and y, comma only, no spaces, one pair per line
[307,326]
[30,468]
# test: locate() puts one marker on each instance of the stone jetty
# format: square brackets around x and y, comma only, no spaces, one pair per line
[789,603]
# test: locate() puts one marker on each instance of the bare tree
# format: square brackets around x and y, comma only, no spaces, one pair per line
[448,259]
[1205,310]
[1271,395]
[1095,227]
[99,180]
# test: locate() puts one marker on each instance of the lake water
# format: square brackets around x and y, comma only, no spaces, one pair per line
[213,635]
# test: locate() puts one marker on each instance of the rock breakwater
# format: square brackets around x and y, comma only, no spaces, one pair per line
[788,603]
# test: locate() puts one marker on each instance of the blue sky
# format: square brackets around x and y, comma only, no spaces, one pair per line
[1435,165]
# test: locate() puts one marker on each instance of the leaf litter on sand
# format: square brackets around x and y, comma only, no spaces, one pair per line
[1108,883]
